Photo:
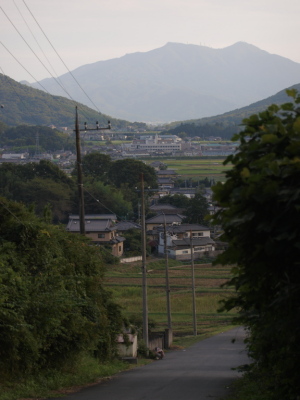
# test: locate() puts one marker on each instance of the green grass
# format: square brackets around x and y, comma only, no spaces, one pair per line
[55,383]
[196,167]
[125,282]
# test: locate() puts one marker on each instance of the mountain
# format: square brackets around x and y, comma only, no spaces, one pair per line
[235,117]
[26,105]
[179,81]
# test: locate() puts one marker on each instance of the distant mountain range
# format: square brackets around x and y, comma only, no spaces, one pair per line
[26,105]
[235,117]
[179,81]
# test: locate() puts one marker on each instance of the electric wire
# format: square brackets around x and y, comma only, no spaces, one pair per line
[68,94]
[35,39]
[24,67]
[61,58]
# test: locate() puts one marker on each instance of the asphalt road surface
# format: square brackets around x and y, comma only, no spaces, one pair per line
[202,371]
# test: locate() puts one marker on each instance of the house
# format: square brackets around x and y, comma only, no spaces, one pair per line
[161,219]
[184,239]
[165,183]
[101,229]
[166,173]
[125,226]
[163,208]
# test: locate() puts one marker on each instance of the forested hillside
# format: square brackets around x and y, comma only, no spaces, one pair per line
[225,125]
[25,105]
[24,138]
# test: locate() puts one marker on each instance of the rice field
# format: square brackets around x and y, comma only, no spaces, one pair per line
[125,282]
[196,167]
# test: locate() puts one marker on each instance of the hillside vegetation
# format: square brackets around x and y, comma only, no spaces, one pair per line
[26,105]
[125,282]
[227,124]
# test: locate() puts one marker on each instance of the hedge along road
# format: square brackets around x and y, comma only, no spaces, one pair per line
[202,371]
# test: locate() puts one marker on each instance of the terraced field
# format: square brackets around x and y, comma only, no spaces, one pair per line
[126,284]
[197,167]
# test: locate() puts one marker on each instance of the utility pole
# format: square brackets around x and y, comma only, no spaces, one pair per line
[79,167]
[167,275]
[193,286]
[144,269]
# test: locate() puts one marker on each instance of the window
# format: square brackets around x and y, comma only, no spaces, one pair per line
[185,251]
[101,235]
[120,248]
[196,234]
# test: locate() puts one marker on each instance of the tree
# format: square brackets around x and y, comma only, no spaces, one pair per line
[129,171]
[53,306]
[96,165]
[197,210]
[101,198]
[40,184]
[260,214]
[177,200]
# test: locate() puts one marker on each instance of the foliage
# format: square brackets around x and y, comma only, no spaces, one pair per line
[24,137]
[26,105]
[39,184]
[197,210]
[52,302]
[96,165]
[133,243]
[129,171]
[177,200]
[224,131]
[105,199]
[260,213]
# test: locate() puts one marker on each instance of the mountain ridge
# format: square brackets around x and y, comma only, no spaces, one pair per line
[180,81]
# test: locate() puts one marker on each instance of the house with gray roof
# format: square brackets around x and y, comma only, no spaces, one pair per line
[101,229]
[184,240]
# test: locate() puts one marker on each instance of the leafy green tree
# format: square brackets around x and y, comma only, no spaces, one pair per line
[53,305]
[197,210]
[101,198]
[133,242]
[25,135]
[260,214]
[128,171]
[39,184]
[177,200]
[96,165]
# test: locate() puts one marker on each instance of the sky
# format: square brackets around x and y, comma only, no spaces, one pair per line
[44,38]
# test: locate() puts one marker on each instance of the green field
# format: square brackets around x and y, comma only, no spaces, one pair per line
[125,281]
[196,167]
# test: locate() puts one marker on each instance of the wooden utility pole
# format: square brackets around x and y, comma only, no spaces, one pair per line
[79,167]
[167,276]
[193,286]
[144,269]
[79,176]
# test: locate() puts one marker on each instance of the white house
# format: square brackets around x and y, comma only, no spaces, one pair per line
[184,239]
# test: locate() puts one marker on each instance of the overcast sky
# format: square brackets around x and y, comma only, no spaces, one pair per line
[86,31]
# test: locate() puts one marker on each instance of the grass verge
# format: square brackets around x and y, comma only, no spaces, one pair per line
[86,371]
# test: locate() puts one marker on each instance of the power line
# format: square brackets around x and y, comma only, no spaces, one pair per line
[35,39]
[61,59]
[24,67]
[36,55]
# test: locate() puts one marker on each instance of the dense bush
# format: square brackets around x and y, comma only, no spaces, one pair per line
[260,216]
[52,302]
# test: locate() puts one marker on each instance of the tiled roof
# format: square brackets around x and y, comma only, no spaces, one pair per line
[126,225]
[165,218]
[195,241]
[91,225]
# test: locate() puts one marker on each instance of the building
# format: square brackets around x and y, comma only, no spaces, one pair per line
[155,144]
[185,239]
[101,229]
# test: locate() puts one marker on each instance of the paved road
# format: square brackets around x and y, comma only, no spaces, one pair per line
[202,371]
